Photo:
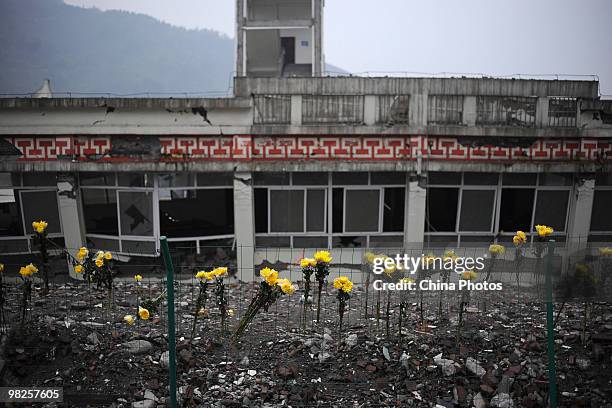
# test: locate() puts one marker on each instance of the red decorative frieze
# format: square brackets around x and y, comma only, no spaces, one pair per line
[324,147]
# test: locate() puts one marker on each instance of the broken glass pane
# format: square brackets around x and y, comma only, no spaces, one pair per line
[136,213]
[197,213]
[100,211]
[40,205]
[516,209]
[551,209]
[441,209]
[393,210]
[10,218]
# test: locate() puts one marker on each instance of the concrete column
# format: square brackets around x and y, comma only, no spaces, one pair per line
[469,111]
[414,222]
[244,224]
[69,214]
[369,110]
[579,222]
[296,109]
[240,4]
[542,112]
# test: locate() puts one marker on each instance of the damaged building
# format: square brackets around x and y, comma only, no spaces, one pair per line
[296,160]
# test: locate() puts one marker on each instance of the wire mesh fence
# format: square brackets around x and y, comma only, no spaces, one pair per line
[407,345]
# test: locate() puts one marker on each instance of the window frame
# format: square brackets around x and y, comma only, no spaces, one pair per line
[18,190]
[495,235]
[592,234]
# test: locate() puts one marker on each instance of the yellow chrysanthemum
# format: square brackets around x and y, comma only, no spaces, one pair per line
[543,230]
[138,278]
[407,280]
[369,257]
[269,275]
[108,256]
[347,287]
[1,267]
[605,251]
[323,257]
[32,268]
[25,271]
[307,262]
[78,268]
[497,249]
[82,254]
[143,313]
[129,319]
[582,268]
[450,254]
[99,262]
[220,271]
[40,226]
[286,286]
[469,275]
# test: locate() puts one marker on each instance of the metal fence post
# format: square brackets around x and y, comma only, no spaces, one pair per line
[171,322]
[550,329]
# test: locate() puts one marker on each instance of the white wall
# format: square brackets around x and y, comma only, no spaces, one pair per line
[303,54]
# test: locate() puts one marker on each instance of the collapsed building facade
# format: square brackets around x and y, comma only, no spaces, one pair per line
[296,160]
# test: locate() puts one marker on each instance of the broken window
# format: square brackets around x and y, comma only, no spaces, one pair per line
[41,205]
[600,215]
[100,211]
[332,109]
[441,209]
[562,112]
[135,180]
[393,209]
[136,212]
[272,109]
[516,209]
[445,109]
[506,110]
[176,180]
[10,218]
[195,213]
[39,179]
[551,209]
[393,109]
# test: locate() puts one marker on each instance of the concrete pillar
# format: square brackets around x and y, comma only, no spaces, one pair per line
[414,222]
[469,110]
[240,38]
[69,214]
[369,110]
[542,112]
[296,109]
[579,222]
[244,225]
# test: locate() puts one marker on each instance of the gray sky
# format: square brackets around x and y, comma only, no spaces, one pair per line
[491,37]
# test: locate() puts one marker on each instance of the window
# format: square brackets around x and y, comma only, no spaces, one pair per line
[506,110]
[332,109]
[40,205]
[272,109]
[100,211]
[562,112]
[304,207]
[491,208]
[394,109]
[196,213]
[601,222]
[10,219]
[445,109]
[136,212]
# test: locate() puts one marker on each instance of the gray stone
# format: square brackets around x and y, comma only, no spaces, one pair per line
[324,356]
[502,401]
[143,404]
[138,346]
[475,368]
[93,339]
[351,340]
[447,366]
[164,359]
[479,401]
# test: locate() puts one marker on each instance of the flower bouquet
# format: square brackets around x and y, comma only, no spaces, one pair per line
[322,259]
[270,289]
[344,286]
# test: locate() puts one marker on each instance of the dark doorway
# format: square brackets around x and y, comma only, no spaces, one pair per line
[288,49]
